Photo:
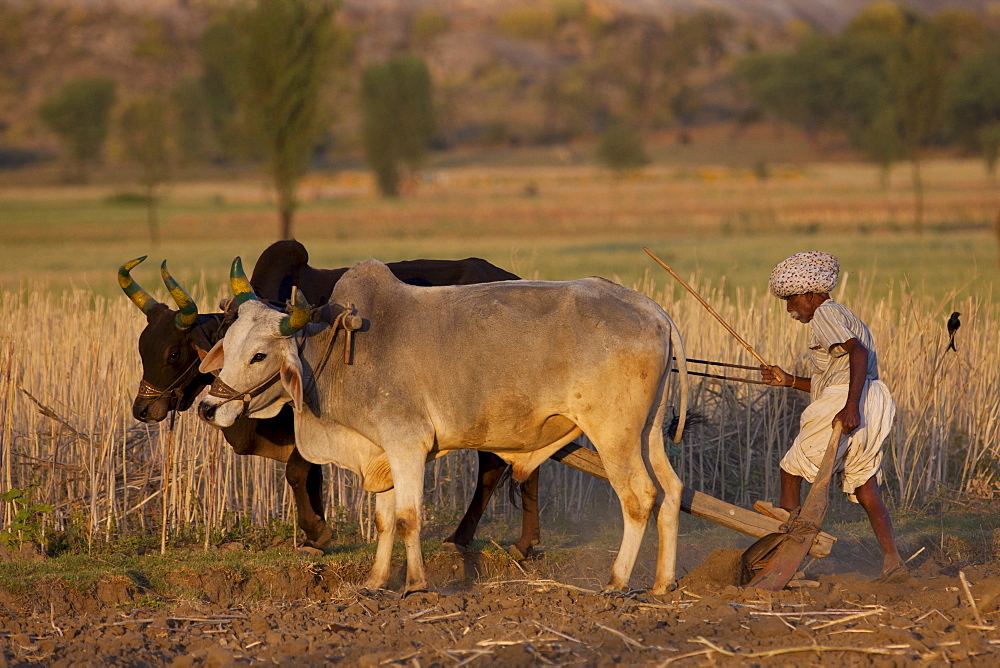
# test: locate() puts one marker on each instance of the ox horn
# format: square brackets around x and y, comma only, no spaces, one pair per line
[242,291]
[188,309]
[299,316]
[133,290]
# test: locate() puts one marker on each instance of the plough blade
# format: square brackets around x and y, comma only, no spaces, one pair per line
[781,562]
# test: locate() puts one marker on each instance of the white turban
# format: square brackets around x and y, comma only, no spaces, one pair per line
[802,273]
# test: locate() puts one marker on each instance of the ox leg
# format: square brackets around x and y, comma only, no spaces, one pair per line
[628,476]
[408,477]
[668,511]
[491,469]
[306,481]
[530,529]
[385,525]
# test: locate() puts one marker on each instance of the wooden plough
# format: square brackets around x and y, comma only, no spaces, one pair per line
[756,524]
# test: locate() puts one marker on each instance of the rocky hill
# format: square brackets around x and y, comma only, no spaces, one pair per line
[491,72]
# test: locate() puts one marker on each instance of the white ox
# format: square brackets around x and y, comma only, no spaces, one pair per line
[519,368]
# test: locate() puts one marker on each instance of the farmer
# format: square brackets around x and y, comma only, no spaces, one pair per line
[844,386]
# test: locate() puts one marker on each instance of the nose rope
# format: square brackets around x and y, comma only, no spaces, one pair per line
[223,391]
[349,323]
[149,391]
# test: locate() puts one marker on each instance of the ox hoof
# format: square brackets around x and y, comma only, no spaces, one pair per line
[454,548]
[519,554]
[661,591]
[310,550]
[372,590]
[321,539]
[416,589]
[615,592]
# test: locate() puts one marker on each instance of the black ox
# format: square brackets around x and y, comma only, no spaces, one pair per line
[169,348]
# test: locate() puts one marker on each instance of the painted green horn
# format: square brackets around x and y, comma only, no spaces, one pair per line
[188,312]
[242,292]
[133,290]
[299,316]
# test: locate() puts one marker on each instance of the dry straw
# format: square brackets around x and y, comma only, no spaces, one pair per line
[68,436]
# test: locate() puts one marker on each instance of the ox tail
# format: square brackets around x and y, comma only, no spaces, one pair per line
[513,486]
[677,343]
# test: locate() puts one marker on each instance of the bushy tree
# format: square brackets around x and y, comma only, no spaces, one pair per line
[801,87]
[399,119]
[80,113]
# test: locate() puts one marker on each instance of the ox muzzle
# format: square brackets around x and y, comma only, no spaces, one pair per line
[149,396]
[222,391]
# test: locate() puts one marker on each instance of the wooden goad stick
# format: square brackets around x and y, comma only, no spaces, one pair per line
[706,305]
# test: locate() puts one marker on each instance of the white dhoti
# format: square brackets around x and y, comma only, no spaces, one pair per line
[859,456]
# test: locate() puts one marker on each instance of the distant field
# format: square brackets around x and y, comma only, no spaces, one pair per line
[720,225]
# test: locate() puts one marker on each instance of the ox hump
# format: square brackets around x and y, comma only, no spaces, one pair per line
[367,276]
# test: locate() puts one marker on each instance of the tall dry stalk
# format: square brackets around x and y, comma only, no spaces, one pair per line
[104,473]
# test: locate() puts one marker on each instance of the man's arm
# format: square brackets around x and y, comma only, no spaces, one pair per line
[850,414]
[776,376]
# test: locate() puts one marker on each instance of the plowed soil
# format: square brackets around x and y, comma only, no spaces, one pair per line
[487,610]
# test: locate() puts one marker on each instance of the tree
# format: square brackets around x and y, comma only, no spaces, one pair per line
[882,83]
[974,96]
[289,48]
[145,131]
[192,127]
[989,139]
[80,113]
[641,67]
[917,74]
[801,87]
[399,120]
[620,149]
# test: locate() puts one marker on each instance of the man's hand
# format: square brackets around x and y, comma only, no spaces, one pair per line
[774,375]
[849,416]
[851,413]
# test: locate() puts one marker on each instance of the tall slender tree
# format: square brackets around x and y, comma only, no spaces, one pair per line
[399,119]
[289,50]
[146,134]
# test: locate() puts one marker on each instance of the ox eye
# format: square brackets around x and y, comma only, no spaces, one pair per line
[259,357]
[174,355]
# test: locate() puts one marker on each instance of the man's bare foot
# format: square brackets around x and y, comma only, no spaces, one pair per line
[895,574]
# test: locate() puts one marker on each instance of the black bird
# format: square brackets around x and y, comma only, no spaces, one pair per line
[953,324]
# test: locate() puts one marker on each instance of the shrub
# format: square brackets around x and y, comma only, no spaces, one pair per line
[621,149]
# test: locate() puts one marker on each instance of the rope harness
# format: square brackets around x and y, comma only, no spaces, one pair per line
[152,393]
[344,320]
[223,391]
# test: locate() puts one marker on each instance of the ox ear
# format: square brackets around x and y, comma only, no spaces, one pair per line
[214,360]
[291,378]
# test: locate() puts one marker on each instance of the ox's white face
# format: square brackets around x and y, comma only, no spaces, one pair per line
[251,353]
